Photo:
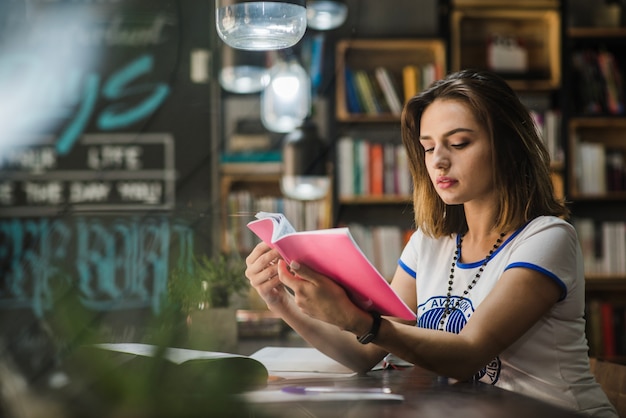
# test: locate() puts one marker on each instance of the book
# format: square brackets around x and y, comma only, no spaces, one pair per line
[202,371]
[334,253]
[612,82]
[594,327]
[361,167]
[391,95]
[345,178]
[366,92]
[411,81]
[353,100]
[608,329]
[376,169]
[390,185]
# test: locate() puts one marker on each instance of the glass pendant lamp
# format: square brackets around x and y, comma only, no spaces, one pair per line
[260,25]
[286,101]
[326,14]
[305,174]
[244,72]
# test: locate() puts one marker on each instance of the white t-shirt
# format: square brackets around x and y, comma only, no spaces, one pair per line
[550,361]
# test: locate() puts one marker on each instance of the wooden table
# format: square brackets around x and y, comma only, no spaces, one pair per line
[426,395]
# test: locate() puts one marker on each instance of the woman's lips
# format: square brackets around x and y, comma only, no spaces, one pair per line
[445,182]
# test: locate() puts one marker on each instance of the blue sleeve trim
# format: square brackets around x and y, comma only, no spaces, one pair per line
[541,270]
[407,269]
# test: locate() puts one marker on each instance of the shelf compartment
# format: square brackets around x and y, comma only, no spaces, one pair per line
[607,133]
[393,55]
[538,29]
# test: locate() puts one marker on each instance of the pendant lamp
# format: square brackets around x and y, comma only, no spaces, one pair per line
[260,25]
[243,71]
[286,101]
[325,14]
[305,175]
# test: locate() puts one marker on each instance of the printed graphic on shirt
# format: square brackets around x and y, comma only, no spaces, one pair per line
[430,313]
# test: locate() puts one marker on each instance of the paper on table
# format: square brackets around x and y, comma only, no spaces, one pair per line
[279,396]
[300,362]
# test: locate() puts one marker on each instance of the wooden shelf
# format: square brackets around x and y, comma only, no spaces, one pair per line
[538,29]
[393,55]
[609,132]
[596,32]
[595,122]
[257,184]
[377,200]
[603,282]
[500,4]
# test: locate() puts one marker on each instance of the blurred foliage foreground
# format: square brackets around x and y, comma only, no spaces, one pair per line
[83,381]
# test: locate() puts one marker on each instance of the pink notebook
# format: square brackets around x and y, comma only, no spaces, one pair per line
[333,253]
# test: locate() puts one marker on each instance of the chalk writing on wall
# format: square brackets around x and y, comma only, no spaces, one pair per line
[118,263]
[102,172]
[91,98]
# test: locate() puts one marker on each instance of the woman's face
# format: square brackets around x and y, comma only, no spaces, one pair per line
[457,153]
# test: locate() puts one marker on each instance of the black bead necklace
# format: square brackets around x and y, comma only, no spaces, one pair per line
[457,252]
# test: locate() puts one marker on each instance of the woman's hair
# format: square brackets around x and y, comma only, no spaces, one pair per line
[520,161]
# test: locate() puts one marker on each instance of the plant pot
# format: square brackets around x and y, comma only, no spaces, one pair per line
[213,329]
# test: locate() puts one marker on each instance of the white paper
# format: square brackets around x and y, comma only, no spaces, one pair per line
[278,396]
[299,360]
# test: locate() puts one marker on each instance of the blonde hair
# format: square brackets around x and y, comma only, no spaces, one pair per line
[519,156]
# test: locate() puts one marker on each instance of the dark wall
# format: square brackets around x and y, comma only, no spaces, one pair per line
[107,177]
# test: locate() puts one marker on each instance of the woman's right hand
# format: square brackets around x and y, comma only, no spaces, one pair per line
[262,272]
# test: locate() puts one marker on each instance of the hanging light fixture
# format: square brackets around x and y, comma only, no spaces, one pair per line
[260,25]
[286,101]
[305,174]
[244,72]
[326,14]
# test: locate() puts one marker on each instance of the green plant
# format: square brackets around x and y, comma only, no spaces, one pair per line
[207,282]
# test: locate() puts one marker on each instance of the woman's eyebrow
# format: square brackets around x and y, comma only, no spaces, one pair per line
[447,134]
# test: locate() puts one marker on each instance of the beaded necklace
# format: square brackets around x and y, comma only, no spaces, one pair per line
[457,252]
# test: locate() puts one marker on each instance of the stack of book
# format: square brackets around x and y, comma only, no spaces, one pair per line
[381,91]
[370,168]
[243,204]
[381,244]
[601,169]
[600,78]
[603,245]
[548,124]
[606,328]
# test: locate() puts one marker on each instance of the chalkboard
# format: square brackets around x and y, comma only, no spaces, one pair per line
[106,162]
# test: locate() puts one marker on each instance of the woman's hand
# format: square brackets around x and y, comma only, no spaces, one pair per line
[320,297]
[262,272]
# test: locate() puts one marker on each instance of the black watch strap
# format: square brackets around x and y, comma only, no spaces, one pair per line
[369,336]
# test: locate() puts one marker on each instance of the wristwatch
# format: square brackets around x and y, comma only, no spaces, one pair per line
[369,336]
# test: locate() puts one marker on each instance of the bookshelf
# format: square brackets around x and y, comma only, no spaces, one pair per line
[248,188]
[595,126]
[395,57]
[372,180]
[535,24]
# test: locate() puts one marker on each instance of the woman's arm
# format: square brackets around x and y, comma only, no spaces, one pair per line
[320,311]
[519,300]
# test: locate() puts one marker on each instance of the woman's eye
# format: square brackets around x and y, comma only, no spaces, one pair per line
[460,145]
[429,149]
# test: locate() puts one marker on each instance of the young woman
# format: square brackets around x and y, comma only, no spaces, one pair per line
[493,271]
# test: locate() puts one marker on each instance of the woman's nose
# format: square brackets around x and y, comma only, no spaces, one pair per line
[440,157]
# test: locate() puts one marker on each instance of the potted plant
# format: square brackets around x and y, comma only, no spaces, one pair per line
[203,291]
